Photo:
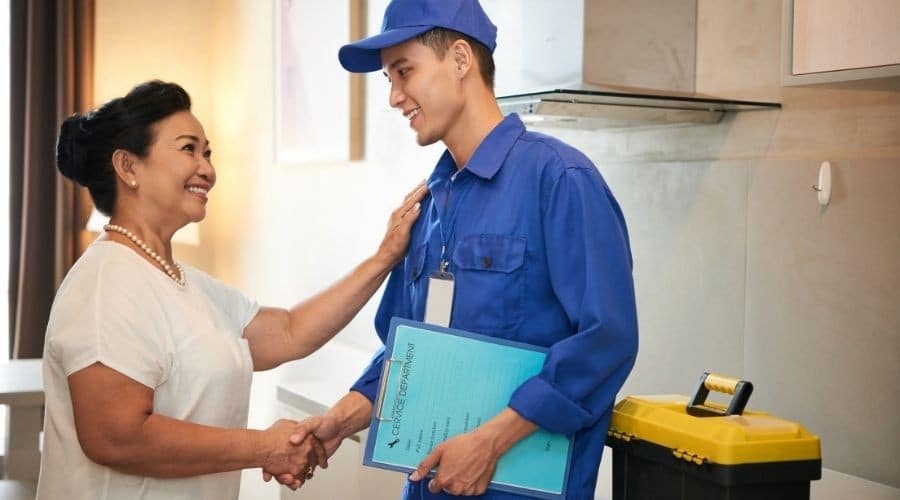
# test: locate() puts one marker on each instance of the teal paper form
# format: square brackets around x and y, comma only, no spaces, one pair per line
[438,383]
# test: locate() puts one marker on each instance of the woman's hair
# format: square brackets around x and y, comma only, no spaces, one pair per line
[87,141]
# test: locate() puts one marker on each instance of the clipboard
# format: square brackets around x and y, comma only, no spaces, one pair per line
[440,382]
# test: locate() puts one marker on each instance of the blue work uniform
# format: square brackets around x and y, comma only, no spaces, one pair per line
[540,253]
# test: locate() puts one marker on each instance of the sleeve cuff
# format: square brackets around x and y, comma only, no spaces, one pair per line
[367,383]
[540,402]
[369,389]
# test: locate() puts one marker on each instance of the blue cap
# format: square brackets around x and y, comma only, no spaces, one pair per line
[407,19]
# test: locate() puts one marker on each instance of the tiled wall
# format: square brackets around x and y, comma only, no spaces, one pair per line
[822,335]
[737,267]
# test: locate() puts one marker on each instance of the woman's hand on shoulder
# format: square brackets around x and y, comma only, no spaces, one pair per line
[393,246]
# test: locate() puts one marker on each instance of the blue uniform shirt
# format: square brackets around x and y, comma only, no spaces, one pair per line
[539,250]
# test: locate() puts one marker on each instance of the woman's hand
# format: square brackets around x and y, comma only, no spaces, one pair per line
[393,246]
[291,463]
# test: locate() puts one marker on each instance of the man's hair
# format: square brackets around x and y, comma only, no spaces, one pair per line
[440,40]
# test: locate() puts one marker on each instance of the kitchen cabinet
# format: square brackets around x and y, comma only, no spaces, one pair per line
[826,41]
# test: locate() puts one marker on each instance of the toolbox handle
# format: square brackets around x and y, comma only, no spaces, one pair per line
[739,389]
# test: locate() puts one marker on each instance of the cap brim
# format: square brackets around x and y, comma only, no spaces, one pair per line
[363,56]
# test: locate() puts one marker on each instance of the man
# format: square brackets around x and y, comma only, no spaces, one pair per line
[533,236]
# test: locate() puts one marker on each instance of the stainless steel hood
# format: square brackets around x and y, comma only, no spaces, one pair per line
[607,108]
[610,64]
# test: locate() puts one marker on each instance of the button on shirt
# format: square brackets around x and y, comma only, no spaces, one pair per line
[540,253]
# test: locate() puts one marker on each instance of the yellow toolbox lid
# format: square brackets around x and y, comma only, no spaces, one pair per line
[754,437]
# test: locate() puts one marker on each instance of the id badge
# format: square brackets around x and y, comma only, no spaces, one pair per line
[439,301]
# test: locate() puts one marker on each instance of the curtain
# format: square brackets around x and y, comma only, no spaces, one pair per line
[51,77]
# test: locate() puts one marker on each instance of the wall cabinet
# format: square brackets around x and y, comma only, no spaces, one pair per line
[834,40]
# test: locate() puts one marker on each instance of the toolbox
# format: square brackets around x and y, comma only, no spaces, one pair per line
[675,447]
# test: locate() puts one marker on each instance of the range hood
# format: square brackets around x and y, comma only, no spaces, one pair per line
[623,64]
[598,107]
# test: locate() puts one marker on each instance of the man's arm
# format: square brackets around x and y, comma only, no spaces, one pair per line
[354,411]
[347,417]
[589,260]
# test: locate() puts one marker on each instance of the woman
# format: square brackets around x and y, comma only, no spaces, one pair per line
[147,363]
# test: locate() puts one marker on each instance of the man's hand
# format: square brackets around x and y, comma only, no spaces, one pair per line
[465,463]
[327,430]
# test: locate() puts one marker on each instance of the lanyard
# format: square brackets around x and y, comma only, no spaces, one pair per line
[447,235]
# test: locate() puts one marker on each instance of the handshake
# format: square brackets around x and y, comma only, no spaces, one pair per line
[294,449]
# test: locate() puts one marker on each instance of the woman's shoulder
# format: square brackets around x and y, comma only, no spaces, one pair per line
[108,269]
[94,283]
[105,257]
[114,266]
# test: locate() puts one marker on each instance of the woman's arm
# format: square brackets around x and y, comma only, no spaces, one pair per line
[117,428]
[279,335]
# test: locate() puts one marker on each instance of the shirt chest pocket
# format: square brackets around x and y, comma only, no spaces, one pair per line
[490,282]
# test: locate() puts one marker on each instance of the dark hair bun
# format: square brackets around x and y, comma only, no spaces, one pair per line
[87,141]
[72,149]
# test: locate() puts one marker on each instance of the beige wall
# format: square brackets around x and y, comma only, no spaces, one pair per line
[165,39]
[822,332]
[738,268]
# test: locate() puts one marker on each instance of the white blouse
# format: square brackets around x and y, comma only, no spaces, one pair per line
[116,308]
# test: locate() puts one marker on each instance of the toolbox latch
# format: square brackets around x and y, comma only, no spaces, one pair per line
[620,435]
[689,456]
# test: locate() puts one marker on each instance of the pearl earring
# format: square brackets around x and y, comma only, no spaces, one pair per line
[133,184]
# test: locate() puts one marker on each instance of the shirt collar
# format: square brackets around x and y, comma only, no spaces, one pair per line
[492,152]
[489,155]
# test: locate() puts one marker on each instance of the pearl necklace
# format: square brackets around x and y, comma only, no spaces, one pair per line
[177,278]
